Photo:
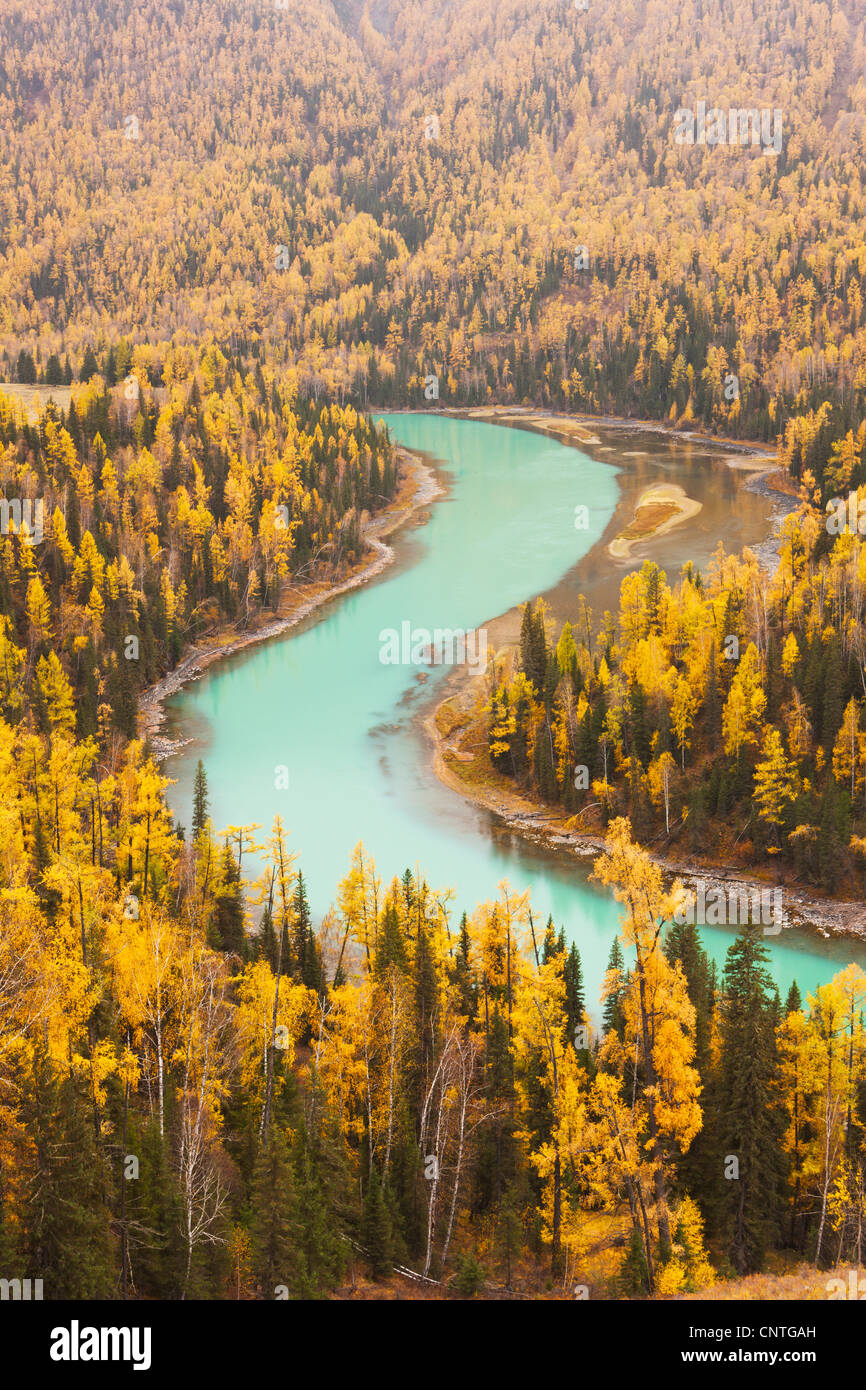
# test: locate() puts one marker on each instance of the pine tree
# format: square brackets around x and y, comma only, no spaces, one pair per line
[89,365]
[462,972]
[794,1001]
[273,1229]
[612,1014]
[228,923]
[321,1252]
[154,1215]
[749,1118]
[307,958]
[376,1228]
[267,939]
[199,800]
[390,946]
[550,947]
[698,1165]
[66,1224]
[834,694]
[683,944]
[574,994]
[633,1275]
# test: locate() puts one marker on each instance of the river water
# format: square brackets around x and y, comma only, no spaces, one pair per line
[318,708]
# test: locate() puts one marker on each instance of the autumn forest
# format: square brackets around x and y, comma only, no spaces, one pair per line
[232,236]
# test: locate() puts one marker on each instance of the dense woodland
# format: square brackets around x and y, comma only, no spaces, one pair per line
[167,510]
[224,227]
[724,715]
[192,1110]
[264,173]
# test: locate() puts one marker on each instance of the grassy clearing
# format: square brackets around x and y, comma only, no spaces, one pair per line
[34,398]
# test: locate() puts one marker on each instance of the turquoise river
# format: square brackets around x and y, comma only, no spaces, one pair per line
[319,702]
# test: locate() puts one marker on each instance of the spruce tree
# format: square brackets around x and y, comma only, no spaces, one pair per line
[376,1228]
[154,1215]
[321,1252]
[199,800]
[390,946]
[89,365]
[67,1222]
[794,1001]
[462,973]
[750,1122]
[273,1229]
[613,1017]
[307,958]
[228,922]
[574,995]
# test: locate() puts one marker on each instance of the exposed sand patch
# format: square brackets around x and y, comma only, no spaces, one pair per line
[659,509]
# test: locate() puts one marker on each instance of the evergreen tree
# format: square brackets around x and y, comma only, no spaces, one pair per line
[307,958]
[155,1215]
[228,922]
[749,1118]
[321,1252]
[550,946]
[390,946]
[613,1017]
[634,1272]
[267,939]
[463,974]
[66,1236]
[574,995]
[26,369]
[89,365]
[199,800]
[794,1001]
[273,1228]
[376,1228]
[683,944]
[53,371]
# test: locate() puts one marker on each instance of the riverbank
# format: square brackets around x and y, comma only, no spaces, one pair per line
[579,429]
[457,732]
[459,742]
[418,486]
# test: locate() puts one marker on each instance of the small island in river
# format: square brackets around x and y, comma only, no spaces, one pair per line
[659,509]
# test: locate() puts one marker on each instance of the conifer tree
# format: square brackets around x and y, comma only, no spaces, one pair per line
[574,994]
[794,1001]
[65,1238]
[199,800]
[613,1018]
[376,1228]
[229,930]
[750,1123]
[273,1230]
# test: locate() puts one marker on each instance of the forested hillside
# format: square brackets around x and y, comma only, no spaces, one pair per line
[163,512]
[723,713]
[494,194]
